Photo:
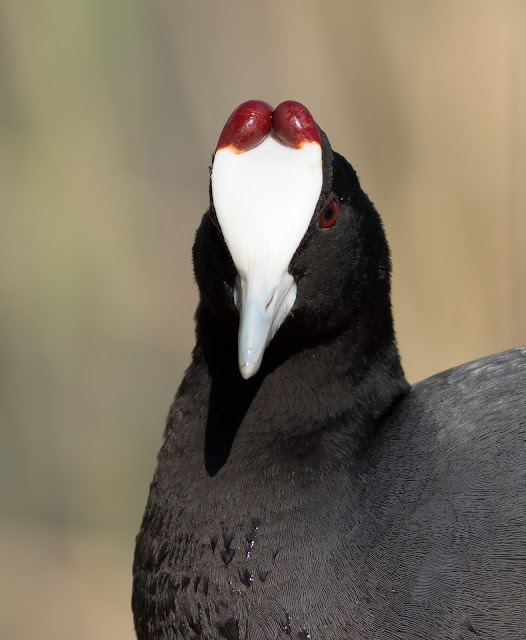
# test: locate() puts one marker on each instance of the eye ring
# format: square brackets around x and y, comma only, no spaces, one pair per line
[329,216]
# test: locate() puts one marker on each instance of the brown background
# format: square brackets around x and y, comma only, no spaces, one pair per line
[109,112]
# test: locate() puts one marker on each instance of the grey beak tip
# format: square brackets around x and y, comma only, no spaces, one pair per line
[247,370]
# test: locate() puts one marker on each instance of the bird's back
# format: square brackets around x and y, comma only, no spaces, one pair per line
[444,484]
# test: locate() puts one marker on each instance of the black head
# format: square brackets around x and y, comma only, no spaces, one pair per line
[341,269]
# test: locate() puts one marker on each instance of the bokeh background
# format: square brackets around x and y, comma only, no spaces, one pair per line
[109,113]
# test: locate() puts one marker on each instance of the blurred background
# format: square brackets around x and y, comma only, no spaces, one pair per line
[109,113]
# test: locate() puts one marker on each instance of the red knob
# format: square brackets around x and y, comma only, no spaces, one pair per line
[294,125]
[248,125]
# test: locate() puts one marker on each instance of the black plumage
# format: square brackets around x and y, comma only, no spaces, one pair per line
[324,498]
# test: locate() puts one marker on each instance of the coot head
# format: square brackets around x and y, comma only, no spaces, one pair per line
[291,251]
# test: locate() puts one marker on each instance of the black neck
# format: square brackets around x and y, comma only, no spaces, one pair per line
[342,385]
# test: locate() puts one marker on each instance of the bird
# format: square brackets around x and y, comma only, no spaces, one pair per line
[304,490]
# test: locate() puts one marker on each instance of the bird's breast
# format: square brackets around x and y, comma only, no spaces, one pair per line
[231,564]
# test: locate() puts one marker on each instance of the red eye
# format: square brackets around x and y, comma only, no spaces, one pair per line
[330,215]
